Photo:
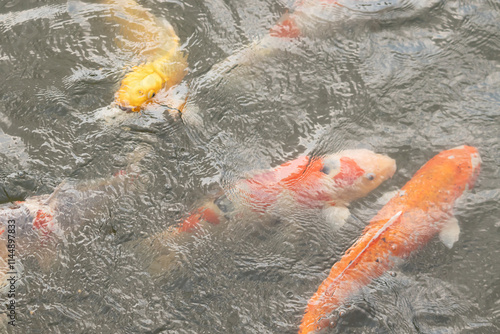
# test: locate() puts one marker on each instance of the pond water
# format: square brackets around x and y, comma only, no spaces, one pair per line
[404,78]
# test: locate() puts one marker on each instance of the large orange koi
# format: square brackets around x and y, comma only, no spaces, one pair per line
[420,210]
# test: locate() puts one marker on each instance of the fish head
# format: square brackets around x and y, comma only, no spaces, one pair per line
[464,164]
[353,174]
[138,88]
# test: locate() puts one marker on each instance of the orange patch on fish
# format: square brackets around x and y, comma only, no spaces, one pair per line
[202,214]
[286,28]
[349,171]
[42,219]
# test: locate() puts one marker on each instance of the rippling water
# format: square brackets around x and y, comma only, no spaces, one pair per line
[408,82]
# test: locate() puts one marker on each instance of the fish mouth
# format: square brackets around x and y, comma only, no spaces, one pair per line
[126,109]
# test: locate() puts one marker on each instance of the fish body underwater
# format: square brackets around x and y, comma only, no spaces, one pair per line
[311,17]
[166,63]
[39,222]
[328,183]
[66,206]
[306,19]
[419,211]
[45,219]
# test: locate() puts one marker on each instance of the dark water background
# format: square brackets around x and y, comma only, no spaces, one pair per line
[408,84]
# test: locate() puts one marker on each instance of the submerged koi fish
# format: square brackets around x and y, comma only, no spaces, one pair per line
[49,216]
[166,63]
[310,16]
[420,210]
[329,183]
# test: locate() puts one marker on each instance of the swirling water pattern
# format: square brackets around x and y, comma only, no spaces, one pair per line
[407,82]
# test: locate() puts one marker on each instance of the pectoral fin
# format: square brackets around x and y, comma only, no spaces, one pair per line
[336,215]
[450,232]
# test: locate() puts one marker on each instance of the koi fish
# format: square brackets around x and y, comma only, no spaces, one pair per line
[166,62]
[49,216]
[329,183]
[298,22]
[420,210]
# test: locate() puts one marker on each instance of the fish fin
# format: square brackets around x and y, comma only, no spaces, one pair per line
[49,201]
[175,98]
[336,215]
[450,232]
[386,197]
[135,157]
[191,115]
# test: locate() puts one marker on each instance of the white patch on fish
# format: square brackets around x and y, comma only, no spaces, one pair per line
[475,160]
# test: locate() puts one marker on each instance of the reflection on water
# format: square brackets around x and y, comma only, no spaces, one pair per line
[407,80]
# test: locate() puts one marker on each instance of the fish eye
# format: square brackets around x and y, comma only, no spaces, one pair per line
[370,176]
[151,94]
[325,169]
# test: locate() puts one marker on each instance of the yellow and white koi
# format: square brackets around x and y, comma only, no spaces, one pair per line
[156,40]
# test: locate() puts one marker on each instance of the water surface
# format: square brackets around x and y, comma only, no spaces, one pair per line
[407,83]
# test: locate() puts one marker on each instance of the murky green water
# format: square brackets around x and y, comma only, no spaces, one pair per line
[407,83]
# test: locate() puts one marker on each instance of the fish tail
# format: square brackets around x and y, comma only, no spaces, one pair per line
[141,30]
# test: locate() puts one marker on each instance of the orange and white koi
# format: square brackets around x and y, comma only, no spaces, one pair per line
[307,16]
[329,183]
[419,211]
